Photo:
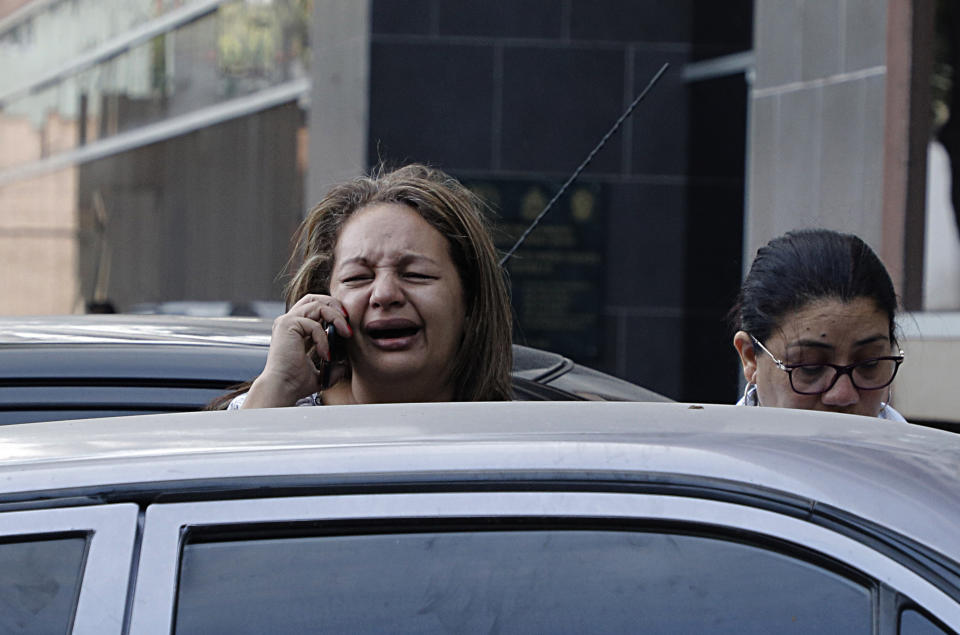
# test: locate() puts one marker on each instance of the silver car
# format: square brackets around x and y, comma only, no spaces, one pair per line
[72,367]
[520,517]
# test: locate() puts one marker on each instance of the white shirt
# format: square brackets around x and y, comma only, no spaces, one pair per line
[311,400]
[750,399]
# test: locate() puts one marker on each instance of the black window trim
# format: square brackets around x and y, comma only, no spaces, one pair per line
[110,531]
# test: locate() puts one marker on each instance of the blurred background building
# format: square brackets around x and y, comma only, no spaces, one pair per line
[164,150]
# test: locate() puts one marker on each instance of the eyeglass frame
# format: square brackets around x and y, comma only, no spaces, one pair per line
[838,370]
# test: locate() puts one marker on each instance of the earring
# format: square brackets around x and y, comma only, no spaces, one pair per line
[884,404]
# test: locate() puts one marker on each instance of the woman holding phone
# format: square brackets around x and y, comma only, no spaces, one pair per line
[398,271]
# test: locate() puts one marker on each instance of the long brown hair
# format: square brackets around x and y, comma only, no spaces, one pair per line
[482,364]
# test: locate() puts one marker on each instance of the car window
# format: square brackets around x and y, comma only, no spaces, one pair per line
[914,622]
[8,417]
[55,399]
[66,569]
[40,584]
[560,580]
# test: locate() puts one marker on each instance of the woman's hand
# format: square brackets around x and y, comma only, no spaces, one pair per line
[298,335]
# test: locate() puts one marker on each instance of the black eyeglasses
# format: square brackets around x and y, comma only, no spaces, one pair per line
[816,379]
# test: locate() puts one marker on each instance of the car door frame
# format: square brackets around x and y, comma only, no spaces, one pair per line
[167,523]
[111,532]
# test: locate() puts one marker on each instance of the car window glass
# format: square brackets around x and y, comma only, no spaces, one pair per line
[916,623]
[8,417]
[39,584]
[510,581]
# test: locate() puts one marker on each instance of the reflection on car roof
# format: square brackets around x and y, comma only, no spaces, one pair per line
[832,459]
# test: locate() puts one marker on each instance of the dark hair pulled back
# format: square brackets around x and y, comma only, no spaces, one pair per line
[806,265]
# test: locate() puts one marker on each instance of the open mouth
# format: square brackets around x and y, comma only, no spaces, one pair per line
[392,333]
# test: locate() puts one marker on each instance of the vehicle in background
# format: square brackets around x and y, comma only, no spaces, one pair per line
[198,308]
[68,367]
[547,517]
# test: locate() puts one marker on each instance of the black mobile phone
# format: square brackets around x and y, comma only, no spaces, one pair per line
[335,344]
[338,352]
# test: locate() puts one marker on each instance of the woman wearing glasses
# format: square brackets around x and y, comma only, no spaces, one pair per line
[815,326]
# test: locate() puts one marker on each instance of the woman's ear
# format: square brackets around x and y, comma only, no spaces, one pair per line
[748,355]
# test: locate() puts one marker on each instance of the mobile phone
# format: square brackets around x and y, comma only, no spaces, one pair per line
[337,350]
[335,344]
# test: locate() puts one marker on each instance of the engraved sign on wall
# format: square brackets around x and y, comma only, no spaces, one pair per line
[556,276]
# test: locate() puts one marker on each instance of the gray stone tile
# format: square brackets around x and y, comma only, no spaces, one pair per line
[402,17]
[410,120]
[842,151]
[777,42]
[660,125]
[645,239]
[820,27]
[633,21]
[865,35]
[557,103]
[613,353]
[873,138]
[501,18]
[655,360]
[762,175]
[797,159]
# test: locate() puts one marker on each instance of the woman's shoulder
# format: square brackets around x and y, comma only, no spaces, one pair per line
[749,396]
[889,413]
[309,400]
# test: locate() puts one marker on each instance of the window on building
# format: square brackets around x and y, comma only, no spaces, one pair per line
[941,263]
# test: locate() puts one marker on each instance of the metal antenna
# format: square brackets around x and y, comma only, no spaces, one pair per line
[586,162]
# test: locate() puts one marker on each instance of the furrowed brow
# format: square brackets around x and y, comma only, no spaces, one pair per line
[356,260]
[409,259]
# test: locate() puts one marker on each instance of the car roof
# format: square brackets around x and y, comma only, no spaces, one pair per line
[103,329]
[227,350]
[897,475]
[116,330]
